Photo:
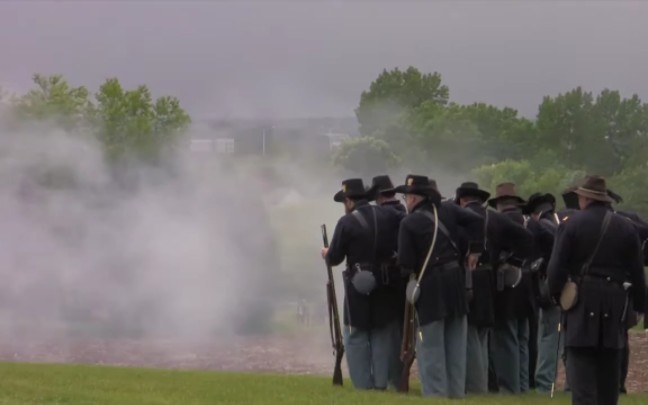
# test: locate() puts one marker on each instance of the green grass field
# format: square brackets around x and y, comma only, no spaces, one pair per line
[74,384]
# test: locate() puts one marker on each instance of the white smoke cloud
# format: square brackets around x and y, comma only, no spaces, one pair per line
[81,250]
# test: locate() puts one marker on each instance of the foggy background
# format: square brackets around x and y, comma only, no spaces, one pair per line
[313,58]
[194,253]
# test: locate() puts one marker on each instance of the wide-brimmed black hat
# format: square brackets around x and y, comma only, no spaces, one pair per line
[505,191]
[420,185]
[380,184]
[594,188]
[570,198]
[471,189]
[351,188]
[433,184]
[538,199]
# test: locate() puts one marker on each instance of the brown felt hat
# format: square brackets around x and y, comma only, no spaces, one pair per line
[505,191]
[594,188]
[571,198]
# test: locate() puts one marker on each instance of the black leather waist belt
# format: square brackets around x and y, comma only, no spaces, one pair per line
[602,277]
[389,266]
[445,266]
[373,266]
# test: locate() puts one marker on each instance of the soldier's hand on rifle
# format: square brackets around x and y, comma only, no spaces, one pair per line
[324,252]
[472,260]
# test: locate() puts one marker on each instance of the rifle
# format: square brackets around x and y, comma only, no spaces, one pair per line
[334,318]
[553,384]
[408,352]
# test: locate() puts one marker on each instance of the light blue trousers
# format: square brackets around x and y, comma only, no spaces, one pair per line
[441,357]
[545,371]
[370,355]
[477,361]
[511,355]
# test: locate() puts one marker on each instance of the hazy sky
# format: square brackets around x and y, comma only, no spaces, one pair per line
[313,58]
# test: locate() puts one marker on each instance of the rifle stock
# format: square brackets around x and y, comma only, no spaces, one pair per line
[334,318]
[408,352]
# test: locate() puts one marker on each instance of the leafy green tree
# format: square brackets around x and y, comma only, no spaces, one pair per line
[55,101]
[365,156]
[599,134]
[632,185]
[525,175]
[502,133]
[131,125]
[392,95]
[128,123]
[565,125]
[462,137]
[624,126]
[444,136]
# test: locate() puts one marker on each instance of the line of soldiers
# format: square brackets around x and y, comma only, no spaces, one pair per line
[487,278]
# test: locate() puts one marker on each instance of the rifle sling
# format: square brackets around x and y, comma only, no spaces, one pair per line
[586,266]
[363,223]
[435,224]
[443,230]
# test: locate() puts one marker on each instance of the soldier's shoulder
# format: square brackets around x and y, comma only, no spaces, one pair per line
[574,218]
[387,213]
[565,213]
[449,210]
[632,216]
[628,223]
[396,213]
[503,218]
[400,208]
[449,203]
[479,209]
[341,221]
[583,214]
[413,218]
[347,218]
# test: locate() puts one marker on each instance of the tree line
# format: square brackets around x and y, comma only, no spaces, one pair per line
[130,125]
[406,119]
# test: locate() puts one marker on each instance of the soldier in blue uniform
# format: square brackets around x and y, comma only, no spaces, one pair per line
[427,249]
[383,193]
[364,236]
[501,233]
[599,251]
[541,207]
[571,200]
[515,303]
